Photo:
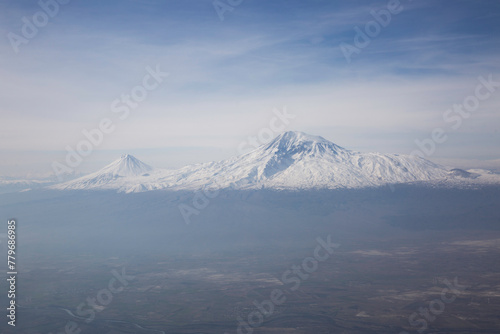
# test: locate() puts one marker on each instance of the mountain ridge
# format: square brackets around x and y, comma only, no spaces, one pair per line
[293,160]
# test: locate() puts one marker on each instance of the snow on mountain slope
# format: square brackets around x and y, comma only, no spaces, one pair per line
[111,176]
[293,160]
[127,165]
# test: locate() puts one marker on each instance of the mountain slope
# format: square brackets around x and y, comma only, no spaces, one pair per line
[109,177]
[293,160]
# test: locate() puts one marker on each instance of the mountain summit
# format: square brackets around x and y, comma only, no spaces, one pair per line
[127,165]
[118,172]
[293,142]
[293,161]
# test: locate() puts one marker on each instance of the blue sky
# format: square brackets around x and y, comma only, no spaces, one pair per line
[226,77]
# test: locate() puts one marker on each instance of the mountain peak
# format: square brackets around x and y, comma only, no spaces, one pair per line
[297,142]
[300,136]
[127,165]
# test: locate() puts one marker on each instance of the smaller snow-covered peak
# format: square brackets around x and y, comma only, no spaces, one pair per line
[116,175]
[127,165]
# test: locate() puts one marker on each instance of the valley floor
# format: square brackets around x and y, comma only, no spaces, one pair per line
[419,282]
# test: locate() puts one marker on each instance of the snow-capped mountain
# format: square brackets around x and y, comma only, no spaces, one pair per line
[121,170]
[293,160]
[127,165]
